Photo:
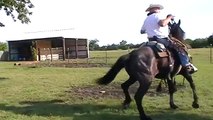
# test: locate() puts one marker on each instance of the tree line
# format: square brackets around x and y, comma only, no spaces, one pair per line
[197,43]
[93,44]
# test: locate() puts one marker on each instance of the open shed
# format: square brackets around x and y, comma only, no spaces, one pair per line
[52,48]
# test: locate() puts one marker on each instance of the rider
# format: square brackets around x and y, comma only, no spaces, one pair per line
[156,27]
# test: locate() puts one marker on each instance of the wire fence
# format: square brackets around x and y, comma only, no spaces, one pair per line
[95,59]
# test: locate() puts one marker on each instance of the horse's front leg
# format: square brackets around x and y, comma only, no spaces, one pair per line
[159,88]
[192,85]
[172,89]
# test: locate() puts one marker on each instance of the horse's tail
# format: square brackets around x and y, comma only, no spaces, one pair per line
[115,69]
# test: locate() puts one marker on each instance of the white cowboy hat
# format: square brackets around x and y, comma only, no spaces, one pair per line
[154,6]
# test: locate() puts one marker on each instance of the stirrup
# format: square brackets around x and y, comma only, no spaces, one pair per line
[191,69]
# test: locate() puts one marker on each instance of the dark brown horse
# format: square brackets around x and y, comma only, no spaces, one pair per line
[143,66]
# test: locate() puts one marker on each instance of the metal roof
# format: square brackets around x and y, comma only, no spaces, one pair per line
[47,35]
[46,38]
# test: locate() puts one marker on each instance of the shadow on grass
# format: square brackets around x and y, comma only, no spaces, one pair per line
[3,78]
[89,111]
[61,109]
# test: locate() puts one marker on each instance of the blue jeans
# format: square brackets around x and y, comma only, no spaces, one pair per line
[184,59]
[164,41]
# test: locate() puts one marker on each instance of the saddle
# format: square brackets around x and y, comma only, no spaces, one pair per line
[159,49]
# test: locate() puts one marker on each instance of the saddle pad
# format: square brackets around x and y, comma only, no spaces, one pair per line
[162,54]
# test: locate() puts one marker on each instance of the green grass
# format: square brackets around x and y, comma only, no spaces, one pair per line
[44,93]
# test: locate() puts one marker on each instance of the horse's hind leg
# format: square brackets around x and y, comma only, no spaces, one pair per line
[144,86]
[192,85]
[125,87]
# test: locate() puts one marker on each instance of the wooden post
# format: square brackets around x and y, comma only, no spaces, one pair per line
[51,54]
[68,54]
[39,54]
[9,53]
[210,53]
[128,49]
[87,48]
[106,54]
[76,48]
[64,48]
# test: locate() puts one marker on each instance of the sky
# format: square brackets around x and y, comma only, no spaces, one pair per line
[109,21]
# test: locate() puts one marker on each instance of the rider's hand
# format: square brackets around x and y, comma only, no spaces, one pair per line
[170,16]
[142,31]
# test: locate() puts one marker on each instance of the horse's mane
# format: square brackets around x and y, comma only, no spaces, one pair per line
[177,35]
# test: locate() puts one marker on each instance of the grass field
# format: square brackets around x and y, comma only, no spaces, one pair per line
[48,93]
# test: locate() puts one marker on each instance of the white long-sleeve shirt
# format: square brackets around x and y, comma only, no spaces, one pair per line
[152,28]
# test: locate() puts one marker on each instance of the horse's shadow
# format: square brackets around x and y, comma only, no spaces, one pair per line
[3,78]
[88,111]
[61,109]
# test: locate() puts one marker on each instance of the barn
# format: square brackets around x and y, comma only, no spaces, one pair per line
[48,48]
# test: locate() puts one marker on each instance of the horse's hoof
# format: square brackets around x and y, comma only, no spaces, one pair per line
[149,118]
[195,105]
[146,118]
[159,89]
[175,89]
[126,106]
[173,106]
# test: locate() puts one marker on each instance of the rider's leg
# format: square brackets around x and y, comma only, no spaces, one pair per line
[182,55]
[185,62]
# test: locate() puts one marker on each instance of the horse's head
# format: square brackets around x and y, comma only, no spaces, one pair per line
[176,31]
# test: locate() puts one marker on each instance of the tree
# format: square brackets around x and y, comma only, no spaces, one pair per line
[199,43]
[33,51]
[17,9]
[93,44]
[188,41]
[123,45]
[123,42]
[3,46]
[113,47]
[210,39]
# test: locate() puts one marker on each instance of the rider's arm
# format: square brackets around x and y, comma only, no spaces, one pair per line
[165,22]
[143,31]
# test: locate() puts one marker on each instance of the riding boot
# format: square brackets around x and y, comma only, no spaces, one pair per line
[191,68]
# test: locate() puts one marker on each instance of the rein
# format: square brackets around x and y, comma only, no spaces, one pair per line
[178,43]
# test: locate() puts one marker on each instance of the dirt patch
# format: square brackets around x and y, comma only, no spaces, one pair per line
[110,91]
[71,64]
[94,91]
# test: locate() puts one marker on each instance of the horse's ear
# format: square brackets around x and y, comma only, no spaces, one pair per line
[179,22]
